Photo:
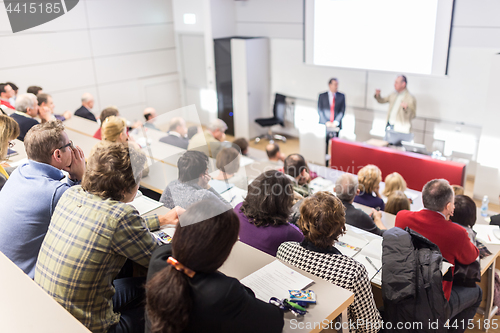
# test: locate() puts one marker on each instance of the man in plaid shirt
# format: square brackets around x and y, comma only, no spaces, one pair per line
[91,235]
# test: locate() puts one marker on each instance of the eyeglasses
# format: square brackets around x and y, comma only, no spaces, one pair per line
[12,144]
[69,144]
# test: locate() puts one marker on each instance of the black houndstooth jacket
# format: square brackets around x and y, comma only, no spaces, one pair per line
[342,271]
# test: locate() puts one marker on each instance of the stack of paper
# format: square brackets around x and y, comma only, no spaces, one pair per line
[144,204]
[275,280]
[321,184]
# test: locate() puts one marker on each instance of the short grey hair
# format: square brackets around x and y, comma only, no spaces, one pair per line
[174,122]
[436,194]
[217,124]
[25,101]
[346,187]
[87,97]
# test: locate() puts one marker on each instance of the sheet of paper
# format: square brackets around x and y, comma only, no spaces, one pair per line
[485,233]
[444,268]
[234,196]
[275,280]
[220,186]
[350,238]
[373,249]
[321,184]
[244,160]
[411,195]
[372,265]
[144,204]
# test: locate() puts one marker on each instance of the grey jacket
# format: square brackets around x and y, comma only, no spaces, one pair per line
[188,193]
[3,179]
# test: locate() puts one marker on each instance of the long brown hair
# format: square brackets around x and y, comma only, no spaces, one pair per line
[9,130]
[201,246]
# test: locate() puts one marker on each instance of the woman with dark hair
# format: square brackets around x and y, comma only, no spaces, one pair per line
[185,292]
[265,212]
[322,220]
[465,214]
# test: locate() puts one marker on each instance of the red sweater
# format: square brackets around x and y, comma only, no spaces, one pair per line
[451,238]
[7,104]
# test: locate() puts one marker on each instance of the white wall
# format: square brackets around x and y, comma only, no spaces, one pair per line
[120,51]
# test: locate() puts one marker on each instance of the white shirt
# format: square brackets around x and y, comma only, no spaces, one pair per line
[330,100]
[395,108]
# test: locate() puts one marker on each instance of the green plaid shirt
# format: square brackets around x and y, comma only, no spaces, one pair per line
[87,243]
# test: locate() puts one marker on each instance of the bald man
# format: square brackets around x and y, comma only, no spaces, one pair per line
[177,133]
[85,111]
[150,115]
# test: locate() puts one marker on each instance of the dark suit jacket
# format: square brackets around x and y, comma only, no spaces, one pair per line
[324,108]
[25,124]
[221,303]
[84,113]
[359,219]
[175,141]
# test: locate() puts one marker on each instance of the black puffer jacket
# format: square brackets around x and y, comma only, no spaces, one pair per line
[412,283]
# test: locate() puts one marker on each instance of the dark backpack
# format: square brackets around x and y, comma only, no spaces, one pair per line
[412,286]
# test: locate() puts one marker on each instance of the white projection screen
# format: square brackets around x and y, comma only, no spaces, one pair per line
[403,36]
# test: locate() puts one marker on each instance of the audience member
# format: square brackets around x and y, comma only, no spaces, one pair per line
[193,130]
[265,212]
[33,190]
[394,182]
[465,214]
[186,292]
[150,115]
[6,93]
[295,167]
[243,144]
[458,190]
[322,221]
[114,129]
[9,130]
[369,178]
[209,141]
[177,132]
[107,112]
[495,219]
[85,111]
[397,201]
[452,240]
[274,154]
[228,163]
[35,90]
[15,88]
[45,101]
[346,188]
[192,185]
[26,110]
[91,235]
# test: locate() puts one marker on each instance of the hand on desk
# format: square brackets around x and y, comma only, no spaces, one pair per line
[377,218]
[172,217]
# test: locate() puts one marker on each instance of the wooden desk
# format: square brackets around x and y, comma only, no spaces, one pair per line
[160,174]
[332,300]
[27,308]
[81,125]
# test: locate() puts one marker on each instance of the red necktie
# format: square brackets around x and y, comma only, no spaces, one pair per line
[332,110]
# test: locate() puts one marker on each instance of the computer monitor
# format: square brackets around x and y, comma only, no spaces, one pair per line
[415,147]
[394,138]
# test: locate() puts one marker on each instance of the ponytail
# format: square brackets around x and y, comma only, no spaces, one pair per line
[169,301]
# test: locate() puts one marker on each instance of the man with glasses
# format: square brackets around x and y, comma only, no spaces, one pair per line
[30,196]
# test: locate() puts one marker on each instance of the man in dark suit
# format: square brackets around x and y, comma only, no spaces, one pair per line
[85,110]
[177,133]
[331,109]
[346,188]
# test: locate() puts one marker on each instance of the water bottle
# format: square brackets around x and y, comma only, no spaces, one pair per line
[484,206]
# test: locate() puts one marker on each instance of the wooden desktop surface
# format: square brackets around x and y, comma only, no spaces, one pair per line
[27,308]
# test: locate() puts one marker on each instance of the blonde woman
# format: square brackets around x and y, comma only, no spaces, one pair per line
[394,182]
[369,178]
[9,130]
[114,129]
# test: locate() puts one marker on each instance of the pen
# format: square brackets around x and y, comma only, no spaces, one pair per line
[371,263]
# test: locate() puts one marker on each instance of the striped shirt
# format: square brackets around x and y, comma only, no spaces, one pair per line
[88,241]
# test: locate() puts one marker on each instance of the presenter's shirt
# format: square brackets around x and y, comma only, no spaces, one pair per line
[395,108]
